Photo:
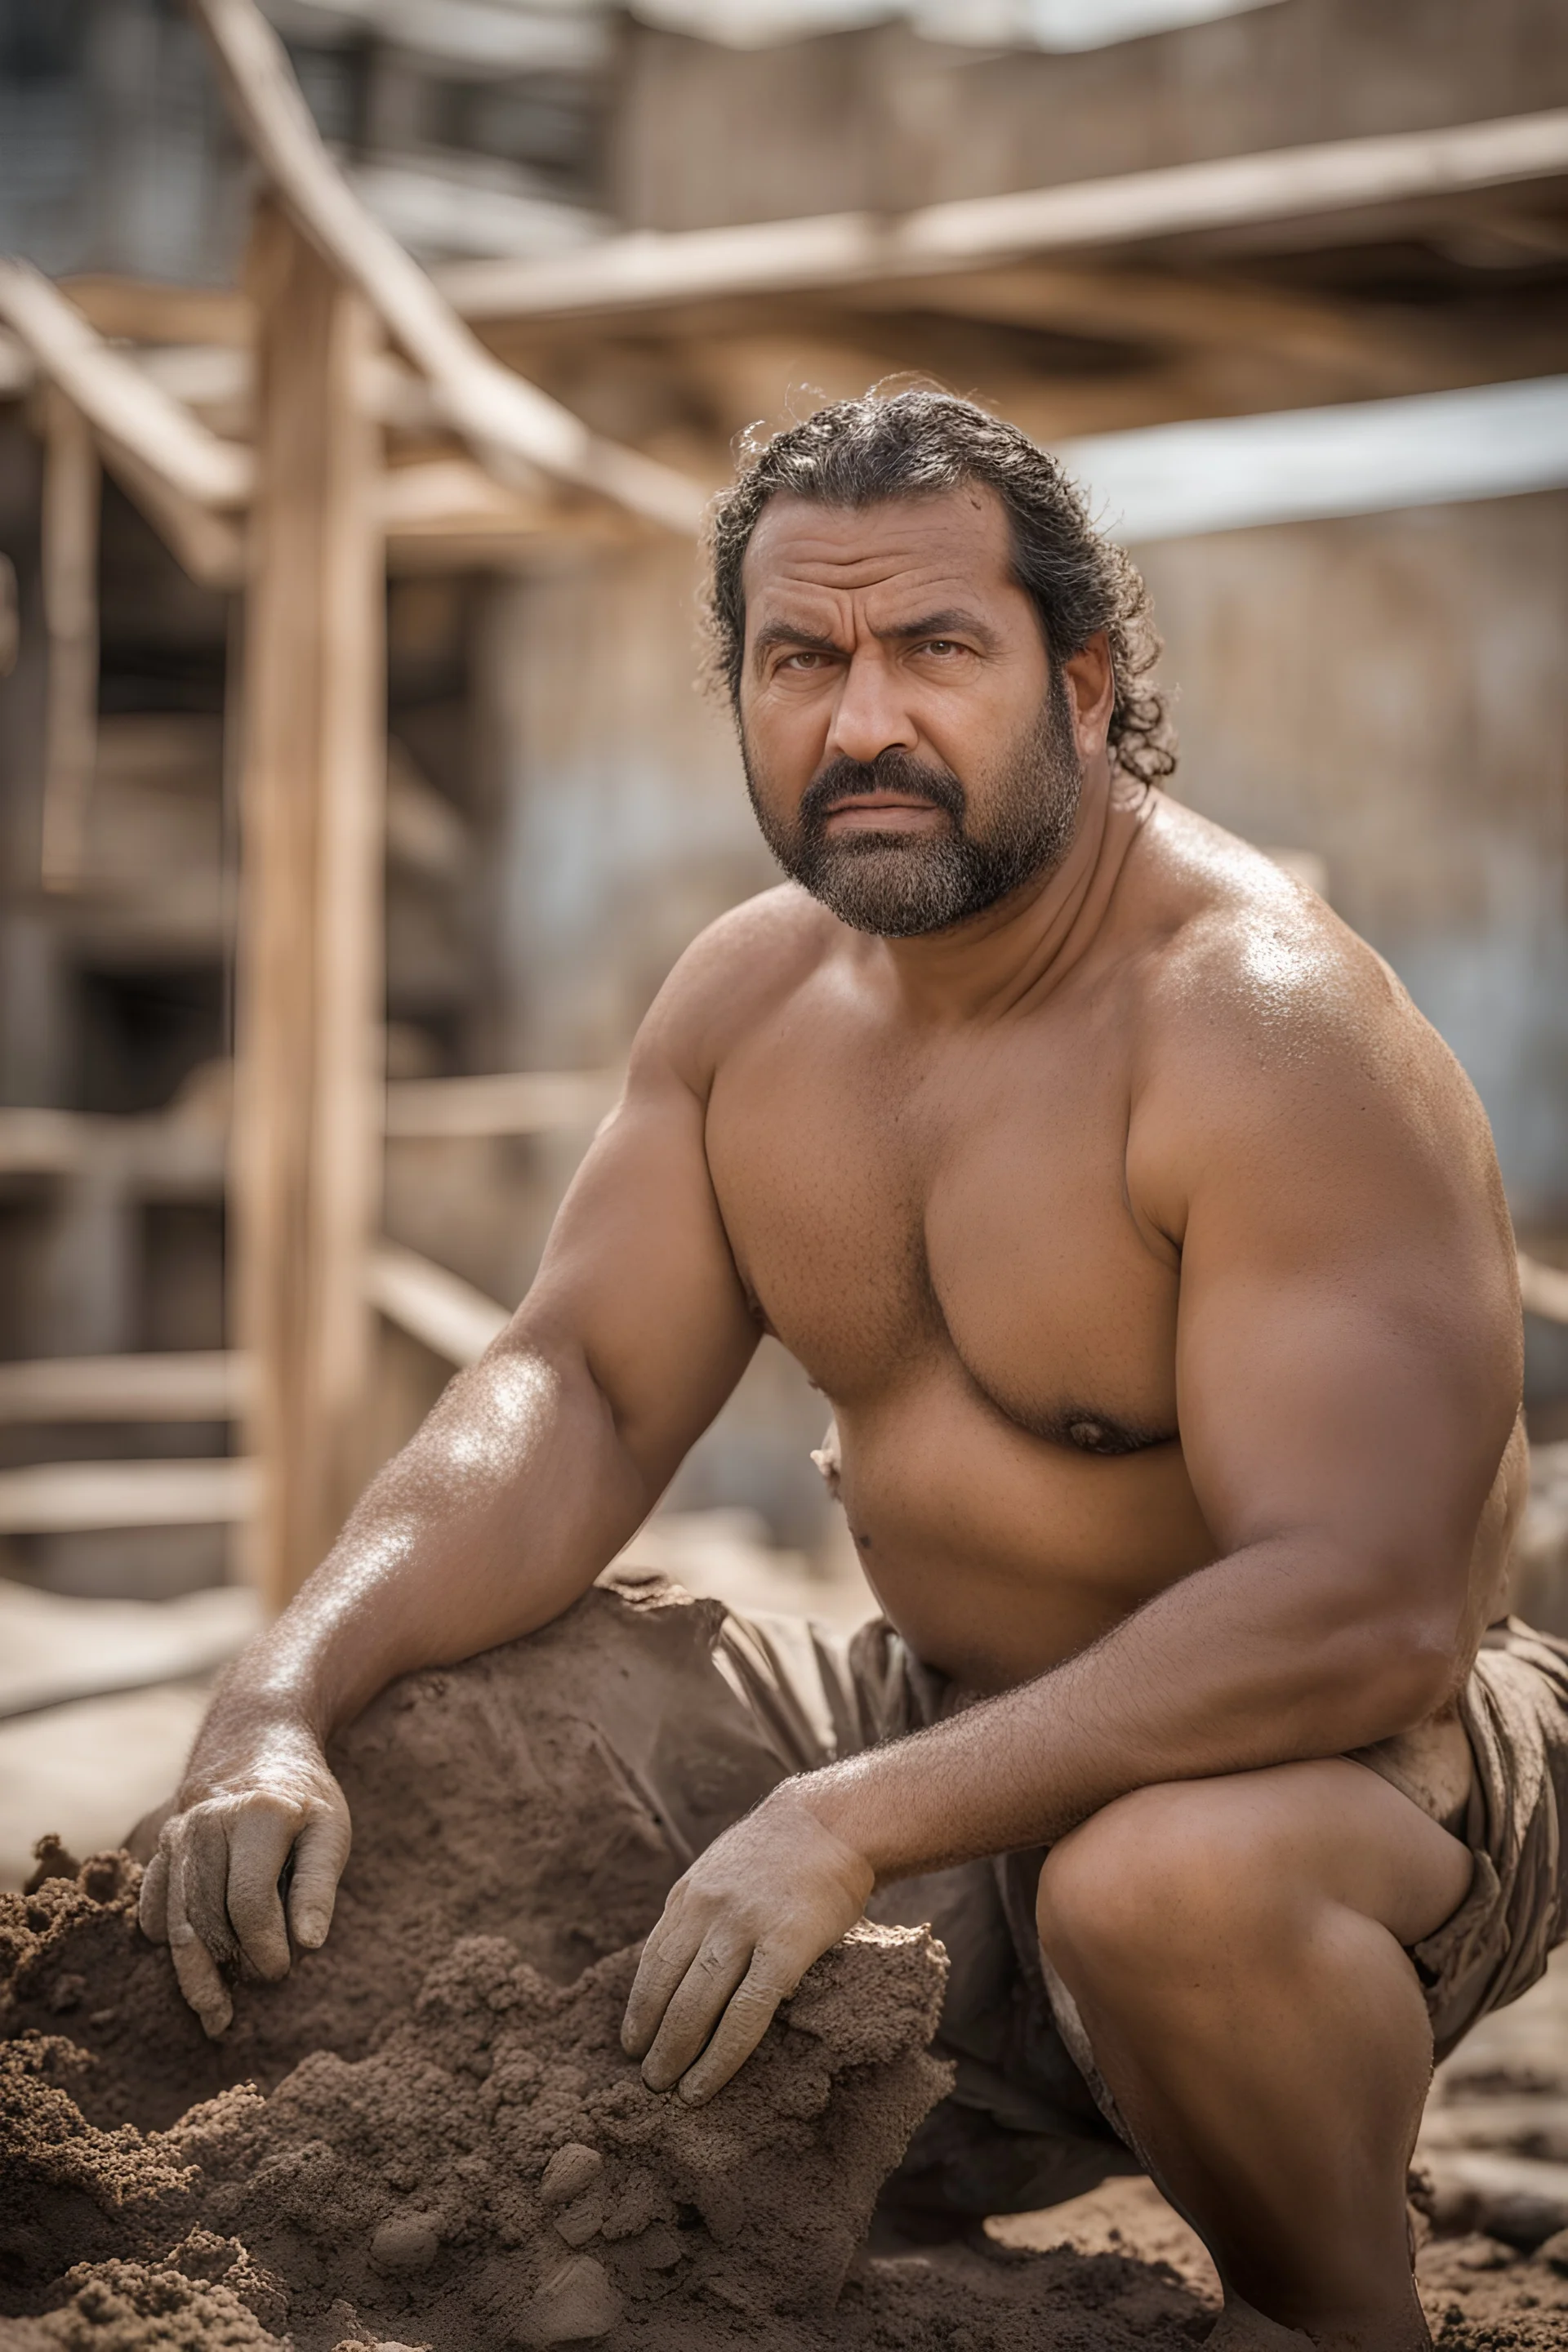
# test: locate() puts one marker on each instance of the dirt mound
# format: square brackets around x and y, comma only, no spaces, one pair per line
[429,2134]
[497,2171]
[485,1800]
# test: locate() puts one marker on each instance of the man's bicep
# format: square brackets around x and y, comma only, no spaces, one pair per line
[637,1273]
[1347,1350]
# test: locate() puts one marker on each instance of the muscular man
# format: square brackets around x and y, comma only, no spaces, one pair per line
[1152,1252]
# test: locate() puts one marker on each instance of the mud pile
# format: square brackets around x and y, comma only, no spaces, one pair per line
[429,2134]
[496,2171]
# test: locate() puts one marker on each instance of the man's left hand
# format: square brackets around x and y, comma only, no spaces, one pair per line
[737,1934]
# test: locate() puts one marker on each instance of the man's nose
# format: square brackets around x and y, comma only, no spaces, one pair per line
[871,715]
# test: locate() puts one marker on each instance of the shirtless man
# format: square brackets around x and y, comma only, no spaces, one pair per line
[1152,1252]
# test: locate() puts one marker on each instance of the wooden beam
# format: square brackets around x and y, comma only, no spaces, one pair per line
[1178,312]
[651,268]
[60,1498]
[72,492]
[205,1386]
[306,1150]
[424,834]
[507,421]
[143,310]
[208,546]
[122,404]
[167,1155]
[55,1648]
[449,513]
[10,617]
[448,497]
[1543,1289]
[441,1310]
[512,1102]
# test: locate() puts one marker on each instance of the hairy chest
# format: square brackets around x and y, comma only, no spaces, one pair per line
[892,1213]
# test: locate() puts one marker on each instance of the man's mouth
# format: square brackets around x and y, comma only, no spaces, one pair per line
[884,813]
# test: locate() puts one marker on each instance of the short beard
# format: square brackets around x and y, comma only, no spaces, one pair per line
[902,886]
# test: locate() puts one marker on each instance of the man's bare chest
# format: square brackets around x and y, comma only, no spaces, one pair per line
[897,1219]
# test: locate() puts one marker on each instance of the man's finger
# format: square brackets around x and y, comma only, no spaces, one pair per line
[694,2010]
[320,1850]
[742,2027]
[153,1902]
[667,1953]
[259,1837]
[203,1873]
[194,1967]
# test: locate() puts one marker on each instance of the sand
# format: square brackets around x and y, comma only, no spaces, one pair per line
[430,2137]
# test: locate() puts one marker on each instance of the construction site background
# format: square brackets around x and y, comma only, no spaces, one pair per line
[1358,554]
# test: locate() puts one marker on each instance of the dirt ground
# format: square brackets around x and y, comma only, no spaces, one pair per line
[429,2134]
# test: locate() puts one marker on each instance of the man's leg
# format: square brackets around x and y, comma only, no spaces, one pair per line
[1233,1946]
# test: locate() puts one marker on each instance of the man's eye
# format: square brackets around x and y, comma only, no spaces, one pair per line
[941,645]
[803,660]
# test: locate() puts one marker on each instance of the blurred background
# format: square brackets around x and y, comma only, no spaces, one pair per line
[364,368]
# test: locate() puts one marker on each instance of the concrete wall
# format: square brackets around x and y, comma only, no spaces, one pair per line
[883,118]
[1391,692]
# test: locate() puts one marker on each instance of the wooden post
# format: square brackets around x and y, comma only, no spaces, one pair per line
[72,486]
[307,1153]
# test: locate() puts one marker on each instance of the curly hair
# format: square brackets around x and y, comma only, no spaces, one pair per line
[918,444]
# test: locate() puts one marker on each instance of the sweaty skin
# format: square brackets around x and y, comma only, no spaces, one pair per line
[1149,1249]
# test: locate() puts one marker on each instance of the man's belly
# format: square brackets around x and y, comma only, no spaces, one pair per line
[994,1553]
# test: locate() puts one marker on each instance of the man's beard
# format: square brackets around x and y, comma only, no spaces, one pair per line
[902,885]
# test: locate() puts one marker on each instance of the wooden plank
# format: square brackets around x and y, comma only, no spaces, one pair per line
[447,1314]
[424,834]
[649,269]
[1356,346]
[56,1648]
[175,1153]
[122,404]
[448,511]
[63,1498]
[205,1385]
[171,1156]
[305,1148]
[511,1102]
[507,421]
[145,310]
[1543,1289]
[70,514]
[208,546]
[446,496]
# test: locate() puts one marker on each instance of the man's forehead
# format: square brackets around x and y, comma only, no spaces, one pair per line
[960,537]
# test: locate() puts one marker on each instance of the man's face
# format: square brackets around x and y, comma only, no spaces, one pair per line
[912,757]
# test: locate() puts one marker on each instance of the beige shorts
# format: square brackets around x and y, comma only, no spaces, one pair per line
[1028,2122]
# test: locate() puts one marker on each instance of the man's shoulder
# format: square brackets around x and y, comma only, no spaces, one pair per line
[1265,1024]
[1246,956]
[738,971]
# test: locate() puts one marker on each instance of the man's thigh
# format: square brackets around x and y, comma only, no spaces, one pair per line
[1255,1847]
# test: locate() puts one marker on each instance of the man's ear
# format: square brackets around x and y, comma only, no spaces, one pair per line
[1091,694]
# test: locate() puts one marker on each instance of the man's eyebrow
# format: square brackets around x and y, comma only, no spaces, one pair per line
[952,622]
[788,632]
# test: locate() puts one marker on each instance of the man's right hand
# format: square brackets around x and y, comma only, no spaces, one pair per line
[212,1890]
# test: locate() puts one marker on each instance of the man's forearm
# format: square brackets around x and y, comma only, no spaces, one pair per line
[493,1519]
[1267,1657]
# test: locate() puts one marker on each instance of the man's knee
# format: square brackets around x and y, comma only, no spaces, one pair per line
[1171,1882]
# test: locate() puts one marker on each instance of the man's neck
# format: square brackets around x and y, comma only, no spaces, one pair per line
[1020,950]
